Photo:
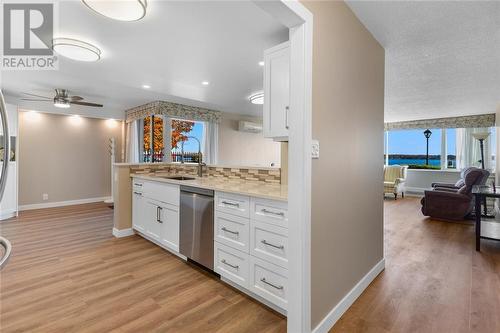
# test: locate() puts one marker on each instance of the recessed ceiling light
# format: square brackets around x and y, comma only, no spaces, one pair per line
[257,98]
[261,63]
[205,83]
[146,86]
[76,49]
[124,10]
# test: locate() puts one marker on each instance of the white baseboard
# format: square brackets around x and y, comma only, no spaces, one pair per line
[331,318]
[123,233]
[61,203]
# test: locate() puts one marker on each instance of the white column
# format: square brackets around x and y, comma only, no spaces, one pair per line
[444,150]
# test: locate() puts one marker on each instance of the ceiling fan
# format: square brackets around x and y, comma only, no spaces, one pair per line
[62,99]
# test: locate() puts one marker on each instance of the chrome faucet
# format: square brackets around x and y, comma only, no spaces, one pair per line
[200,155]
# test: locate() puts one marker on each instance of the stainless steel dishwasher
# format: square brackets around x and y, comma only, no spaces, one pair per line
[197,225]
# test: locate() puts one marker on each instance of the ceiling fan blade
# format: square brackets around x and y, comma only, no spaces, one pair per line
[76,98]
[87,104]
[36,100]
[49,98]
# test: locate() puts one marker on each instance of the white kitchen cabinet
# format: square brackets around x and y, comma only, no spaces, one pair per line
[277,92]
[153,223]
[155,212]
[138,211]
[169,218]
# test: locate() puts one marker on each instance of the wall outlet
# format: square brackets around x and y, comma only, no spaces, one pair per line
[45,196]
[315,149]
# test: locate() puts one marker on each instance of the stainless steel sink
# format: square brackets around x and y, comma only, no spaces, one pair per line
[179,177]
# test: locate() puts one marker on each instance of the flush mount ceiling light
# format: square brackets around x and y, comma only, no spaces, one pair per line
[146,86]
[76,49]
[205,83]
[257,98]
[261,63]
[123,10]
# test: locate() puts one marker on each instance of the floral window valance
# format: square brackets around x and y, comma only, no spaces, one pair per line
[482,120]
[173,110]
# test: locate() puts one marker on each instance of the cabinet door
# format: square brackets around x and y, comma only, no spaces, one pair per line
[277,92]
[138,211]
[169,217]
[153,223]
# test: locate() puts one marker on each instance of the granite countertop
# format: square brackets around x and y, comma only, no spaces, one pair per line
[237,186]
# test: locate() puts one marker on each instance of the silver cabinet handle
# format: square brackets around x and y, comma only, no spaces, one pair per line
[281,247]
[138,193]
[230,231]
[287,110]
[228,264]
[271,212]
[231,203]
[158,214]
[137,184]
[270,284]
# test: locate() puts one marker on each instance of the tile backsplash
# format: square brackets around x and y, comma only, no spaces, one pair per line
[267,175]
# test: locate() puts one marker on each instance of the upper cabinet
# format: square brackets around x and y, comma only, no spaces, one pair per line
[277,92]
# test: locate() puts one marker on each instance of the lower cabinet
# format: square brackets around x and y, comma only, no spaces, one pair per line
[169,217]
[138,211]
[252,252]
[156,219]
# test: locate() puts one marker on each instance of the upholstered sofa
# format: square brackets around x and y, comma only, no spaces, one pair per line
[394,180]
[451,202]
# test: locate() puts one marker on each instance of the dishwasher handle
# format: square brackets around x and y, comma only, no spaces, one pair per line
[197,190]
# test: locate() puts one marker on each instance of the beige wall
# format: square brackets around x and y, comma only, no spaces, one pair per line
[65,157]
[245,149]
[348,117]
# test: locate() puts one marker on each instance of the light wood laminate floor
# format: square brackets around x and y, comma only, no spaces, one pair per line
[68,273]
[434,279]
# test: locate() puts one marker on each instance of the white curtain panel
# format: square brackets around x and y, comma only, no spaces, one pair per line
[132,144]
[167,138]
[468,149]
[210,142]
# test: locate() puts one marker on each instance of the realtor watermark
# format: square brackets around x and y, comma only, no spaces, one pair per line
[28,31]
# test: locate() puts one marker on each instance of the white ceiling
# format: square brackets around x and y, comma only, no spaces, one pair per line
[442,57]
[174,48]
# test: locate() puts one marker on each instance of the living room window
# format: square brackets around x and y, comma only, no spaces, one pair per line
[450,148]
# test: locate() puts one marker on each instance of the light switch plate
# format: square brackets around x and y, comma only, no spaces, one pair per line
[315,149]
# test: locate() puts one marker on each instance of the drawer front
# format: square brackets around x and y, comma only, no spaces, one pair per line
[270,211]
[232,230]
[269,281]
[166,193]
[137,185]
[232,204]
[269,242]
[231,264]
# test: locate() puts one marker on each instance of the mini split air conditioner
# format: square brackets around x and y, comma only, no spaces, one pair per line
[247,126]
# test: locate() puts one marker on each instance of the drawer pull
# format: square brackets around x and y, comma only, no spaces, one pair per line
[266,211]
[234,204]
[230,231]
[263,280]
[137,184]
[138,193]
[228,264]
[281,247]
[158,214]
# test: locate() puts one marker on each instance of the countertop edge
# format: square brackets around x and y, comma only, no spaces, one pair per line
[208,187]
